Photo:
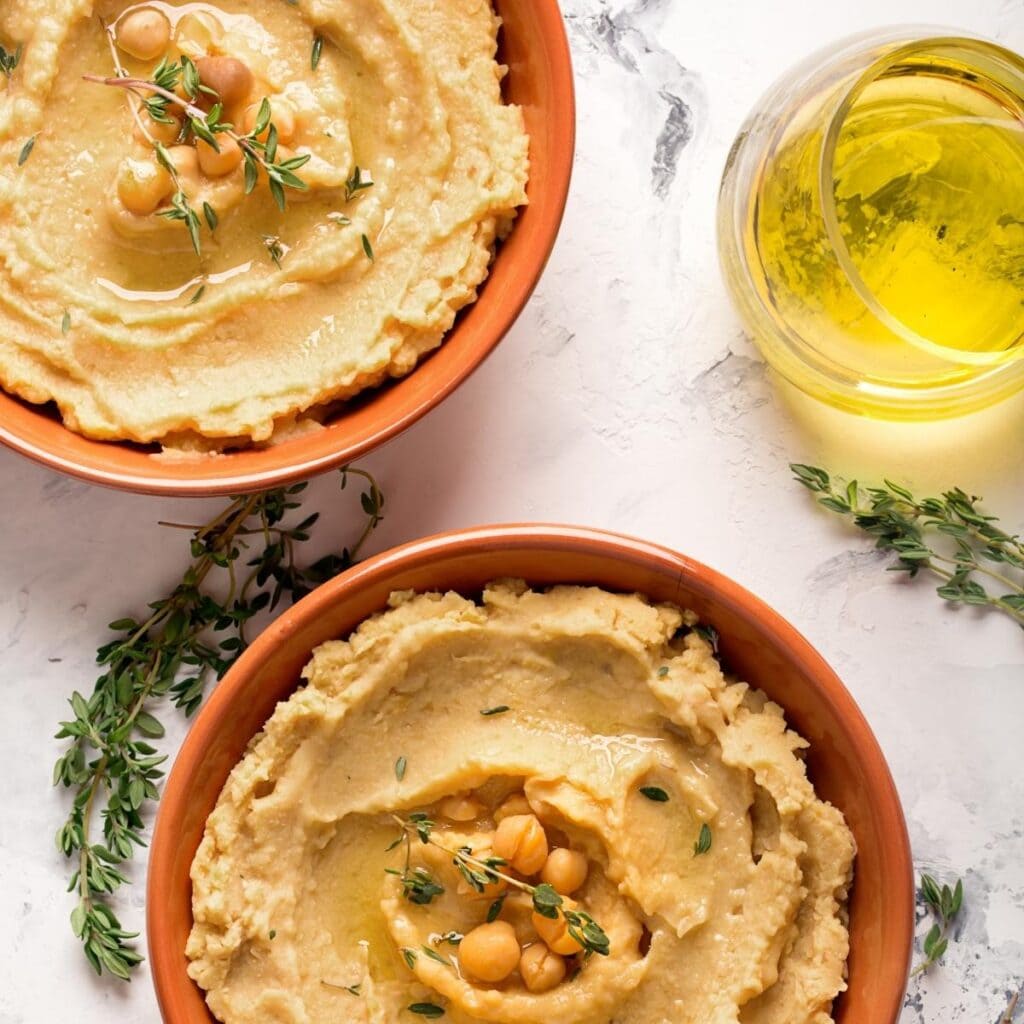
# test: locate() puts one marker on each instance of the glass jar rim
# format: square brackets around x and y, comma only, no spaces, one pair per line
[1013,66]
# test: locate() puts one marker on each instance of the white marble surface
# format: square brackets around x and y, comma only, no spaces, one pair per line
[626,397]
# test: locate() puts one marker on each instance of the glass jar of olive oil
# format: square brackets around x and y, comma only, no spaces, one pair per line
[871,224]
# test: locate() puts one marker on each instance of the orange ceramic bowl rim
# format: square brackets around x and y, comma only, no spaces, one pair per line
[535,48]
[882,901]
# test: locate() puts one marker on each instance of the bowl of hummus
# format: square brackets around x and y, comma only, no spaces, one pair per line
[530,774]
[246,242]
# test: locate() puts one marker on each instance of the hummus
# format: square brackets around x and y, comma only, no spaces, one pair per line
[716,875]
[111,314]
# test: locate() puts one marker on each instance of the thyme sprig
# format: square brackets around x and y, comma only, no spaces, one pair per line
[910,527]
[479,872]
[944,903]
[259,147]
[169,654]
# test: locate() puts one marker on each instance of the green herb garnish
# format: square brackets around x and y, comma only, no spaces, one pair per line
[481,872]
[26,151]
[10,59]
[426,1009]
[318,50]
[367,248]
[65,324]
[356,184]
[499,710]
[703,843]
[400,765]
[169,654]
[947,536]
[655,793]
[944,903]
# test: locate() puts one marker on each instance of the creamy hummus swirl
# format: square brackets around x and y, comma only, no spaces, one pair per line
[96,314]
[298,920]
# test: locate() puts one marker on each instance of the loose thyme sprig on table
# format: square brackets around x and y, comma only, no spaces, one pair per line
[910,527]
[420,887]
[169,654]
[944,903]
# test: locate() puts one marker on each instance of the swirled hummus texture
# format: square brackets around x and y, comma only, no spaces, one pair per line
[297,920]
[96,310]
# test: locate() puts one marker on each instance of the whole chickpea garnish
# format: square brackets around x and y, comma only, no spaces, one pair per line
[540,969]
[143,185]
[515,804]
[282,115]
[144,34]
[217,163]
[461,808]
[555,931]
[229,78]
[522,842]
[490,952]
[564,870]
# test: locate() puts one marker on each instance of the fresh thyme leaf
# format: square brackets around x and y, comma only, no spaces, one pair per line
[26,151]
[367,248]
[703,843]
[352,990]
[65,324]
[663,671]
[432,954]
[210,215]
[494,910]
[400,765]
[431,1010]
[944,903]
[339,218]
[976,561]
[318,49]
[409,956]
[9,60]
[710,634]
[356,183]
[655,793]
[197,295]
[275,248]
[169,654]
[273,934]
[499,710]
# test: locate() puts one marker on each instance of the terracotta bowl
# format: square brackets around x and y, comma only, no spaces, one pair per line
[534,46]
[845,762]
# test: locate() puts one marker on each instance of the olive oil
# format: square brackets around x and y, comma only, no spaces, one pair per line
[892,235]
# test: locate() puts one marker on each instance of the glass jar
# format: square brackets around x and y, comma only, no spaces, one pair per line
[871,224]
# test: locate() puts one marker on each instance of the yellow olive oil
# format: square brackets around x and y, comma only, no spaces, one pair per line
[895,244]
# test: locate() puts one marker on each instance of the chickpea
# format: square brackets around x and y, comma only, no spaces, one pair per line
[461,808]
[565,870]
[282,114]
[160,132]
[540,969]
[142,185]
[229,78]
[490,952]
[197,33]
[521,841]
[145,33]
[515,804]
[186,163]
[555,931]
[216,164]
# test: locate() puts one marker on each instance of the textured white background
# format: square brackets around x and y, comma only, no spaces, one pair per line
[626,397]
